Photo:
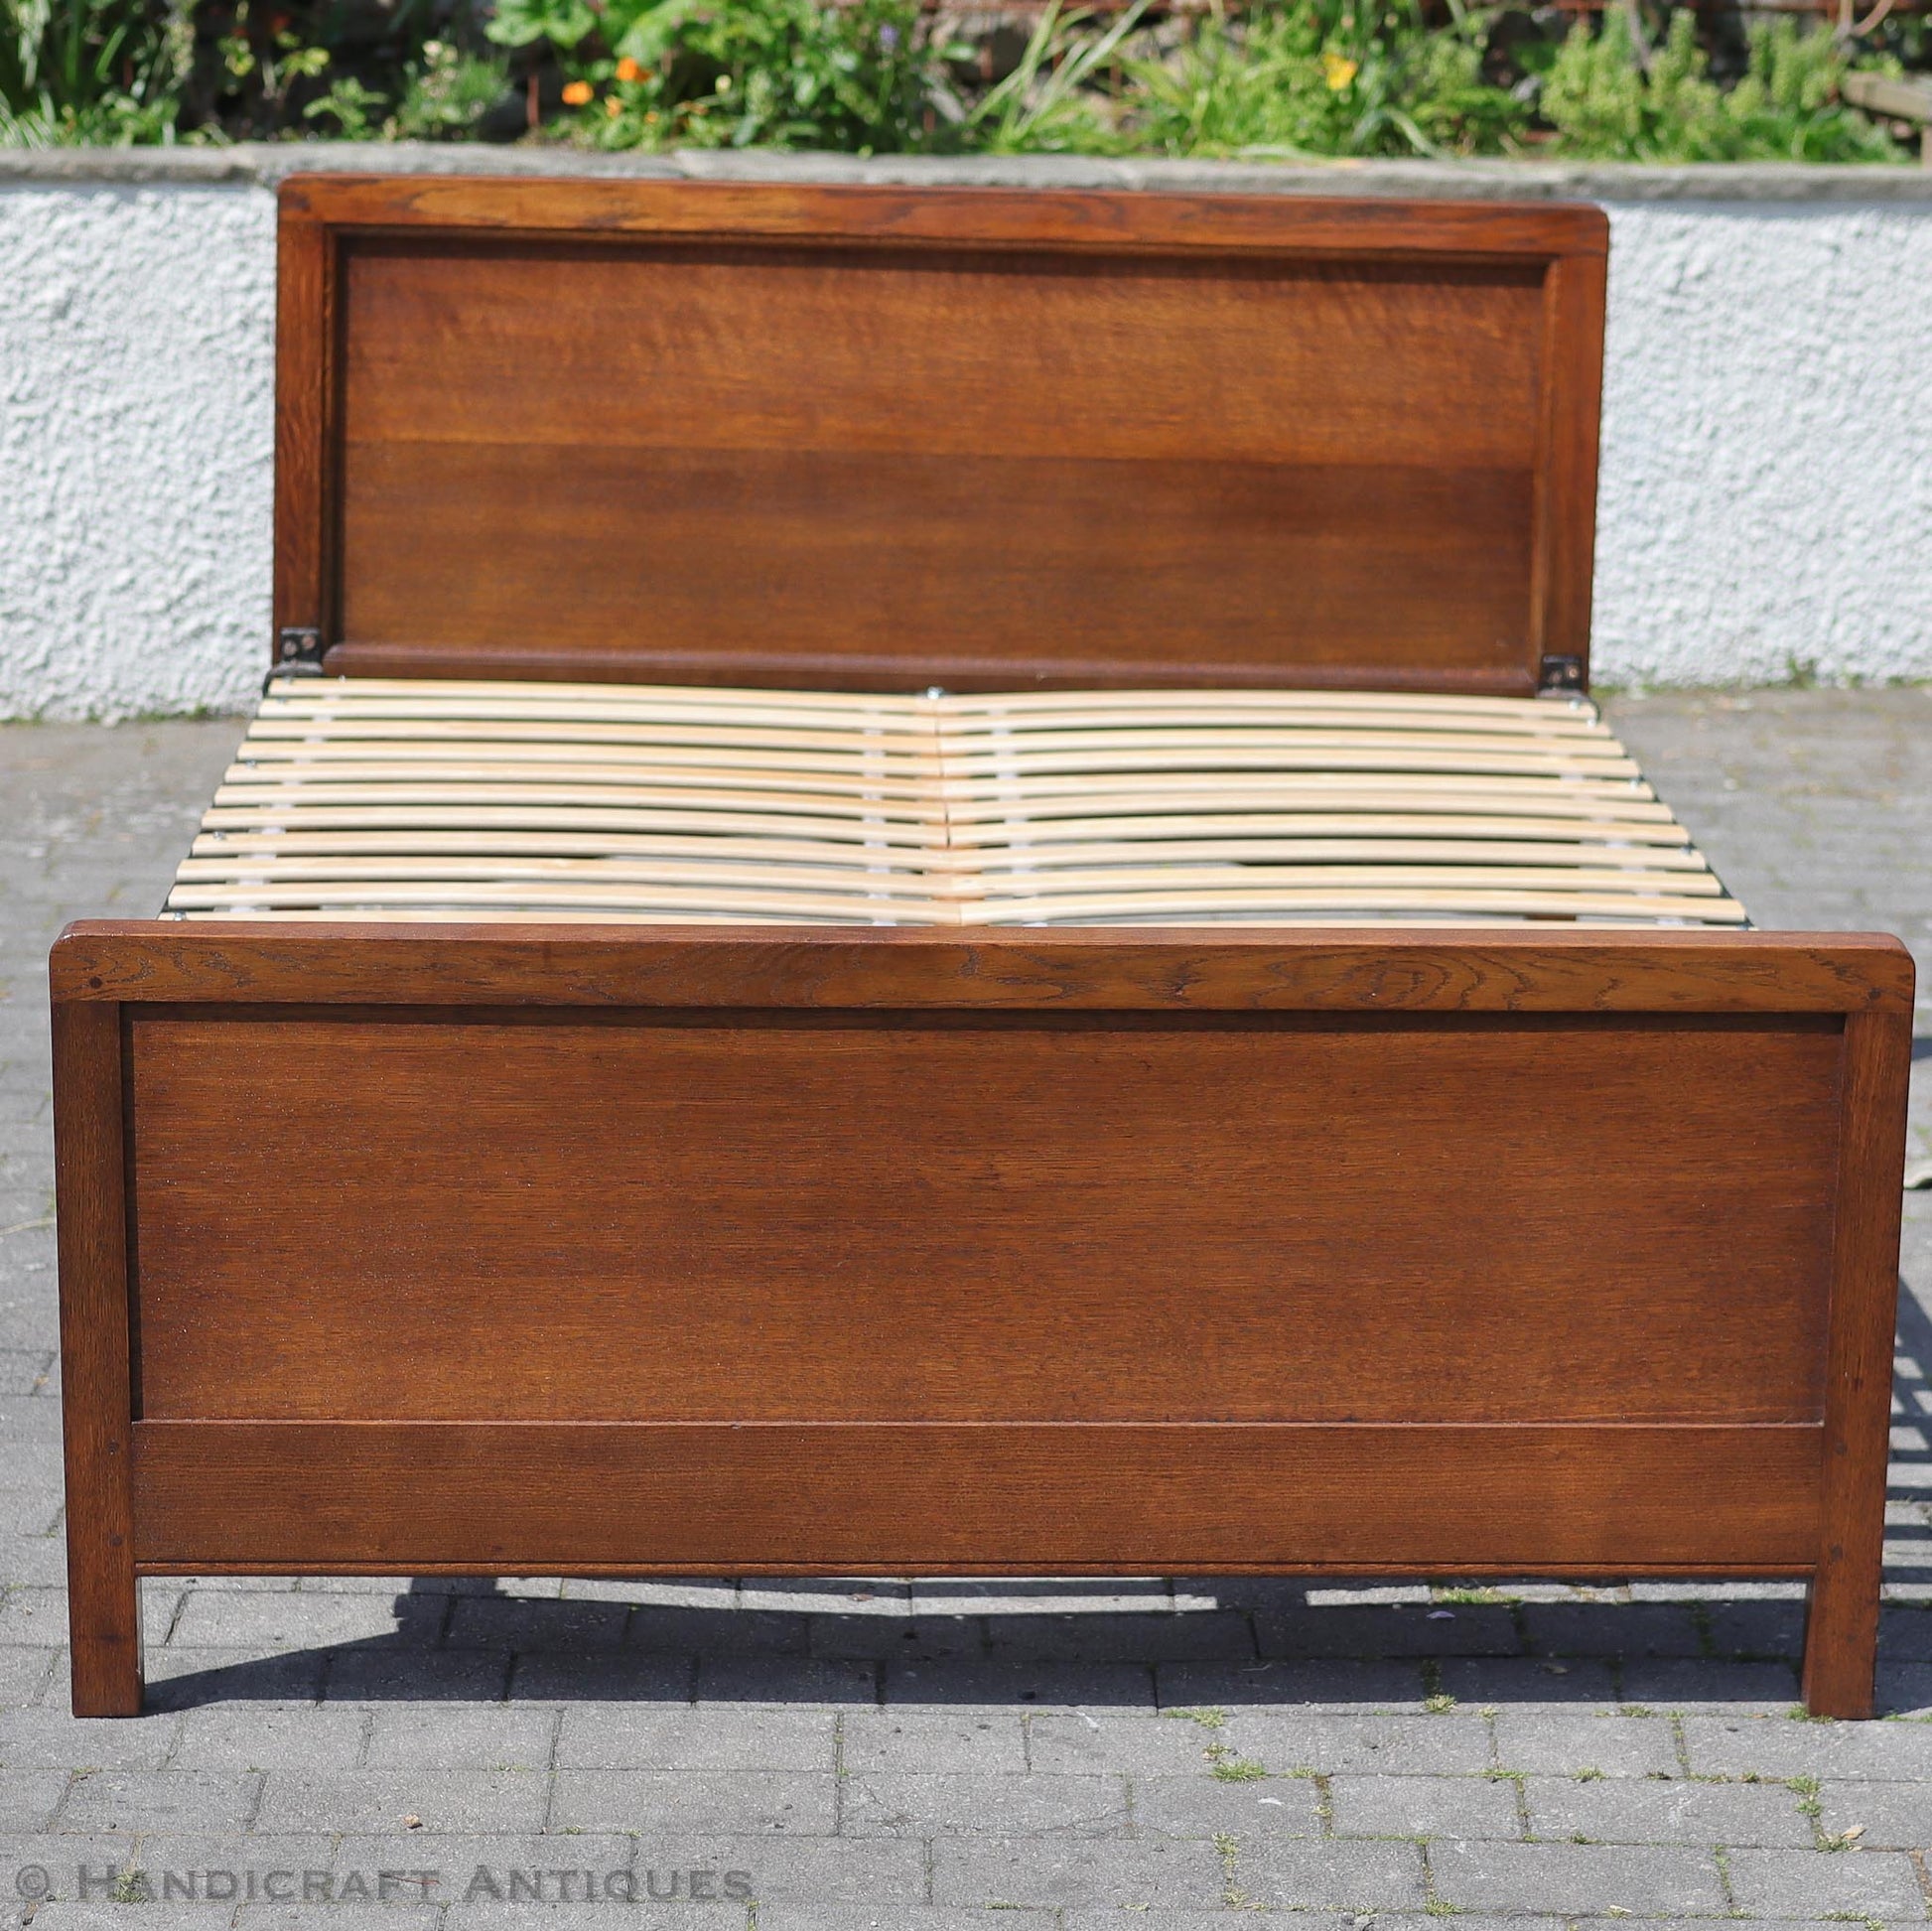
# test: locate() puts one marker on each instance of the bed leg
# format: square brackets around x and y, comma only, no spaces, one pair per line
[1842,1640]
[96,1359]
[104,1627]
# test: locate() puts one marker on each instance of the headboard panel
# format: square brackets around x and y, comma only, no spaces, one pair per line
[885,438]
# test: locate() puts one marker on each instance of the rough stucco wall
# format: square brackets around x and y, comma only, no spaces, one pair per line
[1765,505]
[136,429]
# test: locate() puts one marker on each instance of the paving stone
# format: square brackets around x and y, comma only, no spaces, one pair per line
[417,1676]
[380,1800]
[1650,1881]
[486,1736]
[1341,1684]
[706,1801]
[525,1623]
[27,1798]
[552,1866]
[956,1595]
[1650,1810]
[629,1677]
[1611,1629]
[1147,1874]
[714,1632]
[1568,1741]
[1162,1746]
[1525,1680]
[1356,1877]
[24,1674]
[1393,1629]
[1207,1636]
[1894,1816]
[975,1684]
[1903,1690]
[1313,1739]
[783,1680]
[1207,1806]
[34,1616]
[160,1800]
[1779,1746]
[48,1737]
[895,1638]
[1822,1883]
[225,1737]
[183,1678]
[392,1916]
[1371,1806]
[654,1738]
[271,1619]
[817,1871]
[1683,1685]
[924,1917]
[896,1803]
[913,1740]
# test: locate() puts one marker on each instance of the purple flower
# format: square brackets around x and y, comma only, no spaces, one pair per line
[888,38]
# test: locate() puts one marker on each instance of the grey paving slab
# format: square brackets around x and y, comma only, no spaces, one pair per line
[1462,1807]
[1568,1740]
[1209,1807]
[873,1740]
[1653,1810]
[460,1736]
[1780,1746]
[225,1737]
[1354,1876]
[1169,1744]
[1143,1875]
[380,1800]
[898,1803]
[734,1801]
[1710,1686]
[1886,1816]
[1821,1885]
[1648,1881]
[1315,1740]
[160,1800]
[656,1737]
[1337,1682]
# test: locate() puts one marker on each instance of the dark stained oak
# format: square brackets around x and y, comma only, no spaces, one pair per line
[1842,1632]
[1310,969]
[96,1358]
[989,439]
[982,1217]
[928,1499]
[476,1249]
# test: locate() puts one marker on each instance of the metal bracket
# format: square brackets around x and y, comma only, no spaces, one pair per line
[298,653]
[1560,674]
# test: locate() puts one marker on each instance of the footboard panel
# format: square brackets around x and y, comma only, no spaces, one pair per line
[625,1252]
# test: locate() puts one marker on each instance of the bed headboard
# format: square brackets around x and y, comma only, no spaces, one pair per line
[886,438]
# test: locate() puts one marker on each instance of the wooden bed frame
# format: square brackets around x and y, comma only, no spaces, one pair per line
[482,1248]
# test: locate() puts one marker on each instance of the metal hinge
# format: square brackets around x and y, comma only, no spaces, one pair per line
[1560,674]
[298,653]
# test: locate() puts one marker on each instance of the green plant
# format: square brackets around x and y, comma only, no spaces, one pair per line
[1326,78]
[99,73]
[446,93]
[1612,98]
[1049,103]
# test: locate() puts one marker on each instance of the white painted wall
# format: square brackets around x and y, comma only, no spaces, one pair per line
[1766,498]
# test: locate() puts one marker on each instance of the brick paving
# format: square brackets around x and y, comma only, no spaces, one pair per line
[1053,1755]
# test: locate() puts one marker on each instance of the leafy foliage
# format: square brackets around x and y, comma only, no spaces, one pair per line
[1249,77]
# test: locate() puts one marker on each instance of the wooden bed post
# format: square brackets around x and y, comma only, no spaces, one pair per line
[1842,1627]
[104,1595]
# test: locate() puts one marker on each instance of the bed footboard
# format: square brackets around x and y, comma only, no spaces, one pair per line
[620,1252]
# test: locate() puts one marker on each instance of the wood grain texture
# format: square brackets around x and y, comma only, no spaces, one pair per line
[835,1217]
[1019,220]
[103,1598]
[932,1499]
[1311,970]
[1842,1633]
[884,438]
[305,459]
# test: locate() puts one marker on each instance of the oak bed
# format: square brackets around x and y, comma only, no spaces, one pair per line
[926,884]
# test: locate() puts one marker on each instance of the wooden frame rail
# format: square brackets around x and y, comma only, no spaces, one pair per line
[903,1251]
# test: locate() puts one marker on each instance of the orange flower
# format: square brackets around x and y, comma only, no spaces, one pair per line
[612,106]
[576,94]
[629,71]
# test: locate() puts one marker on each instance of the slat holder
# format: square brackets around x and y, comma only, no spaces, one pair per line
[1560,674]
[298,653]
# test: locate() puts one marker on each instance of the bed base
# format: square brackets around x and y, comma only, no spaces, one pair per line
[624,1252]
